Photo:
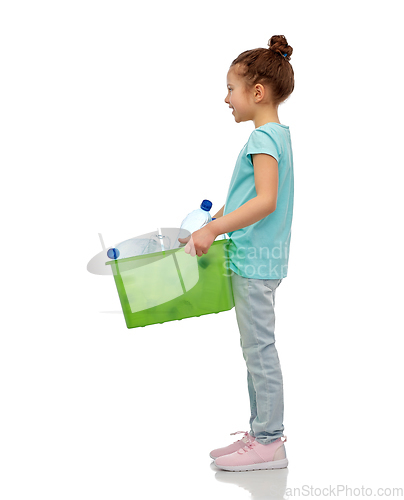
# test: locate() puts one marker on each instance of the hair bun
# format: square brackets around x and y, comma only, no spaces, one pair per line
[279,45]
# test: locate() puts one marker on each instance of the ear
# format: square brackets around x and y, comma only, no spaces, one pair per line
[259,92]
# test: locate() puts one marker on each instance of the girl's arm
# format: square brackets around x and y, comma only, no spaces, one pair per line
[266,186]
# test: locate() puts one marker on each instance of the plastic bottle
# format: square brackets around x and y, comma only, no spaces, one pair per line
[156,241]
[134,247]
[197,218]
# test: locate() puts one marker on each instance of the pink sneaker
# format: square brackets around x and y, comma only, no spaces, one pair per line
[219,452]
[255,456]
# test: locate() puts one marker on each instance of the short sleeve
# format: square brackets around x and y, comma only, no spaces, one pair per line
[262,142]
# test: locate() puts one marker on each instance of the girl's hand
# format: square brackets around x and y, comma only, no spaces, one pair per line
[199,242]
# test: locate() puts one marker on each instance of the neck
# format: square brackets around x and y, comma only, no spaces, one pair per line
[266,114]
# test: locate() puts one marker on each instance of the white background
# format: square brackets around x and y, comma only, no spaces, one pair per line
[113,122]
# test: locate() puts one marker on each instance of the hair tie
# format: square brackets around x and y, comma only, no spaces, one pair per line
[285,55]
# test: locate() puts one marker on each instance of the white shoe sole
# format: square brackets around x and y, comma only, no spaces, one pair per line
[278,464]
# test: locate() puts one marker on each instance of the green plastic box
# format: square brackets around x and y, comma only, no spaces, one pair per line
[172,285]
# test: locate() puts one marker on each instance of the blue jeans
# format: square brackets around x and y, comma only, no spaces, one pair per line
[254,301]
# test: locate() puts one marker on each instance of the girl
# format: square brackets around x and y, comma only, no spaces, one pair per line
[257,216]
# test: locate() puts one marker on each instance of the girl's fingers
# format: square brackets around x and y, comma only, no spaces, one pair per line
[184,240]
[190,248]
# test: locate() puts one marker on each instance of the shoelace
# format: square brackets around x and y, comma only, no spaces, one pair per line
[245,449]
[251,444]
[245,438]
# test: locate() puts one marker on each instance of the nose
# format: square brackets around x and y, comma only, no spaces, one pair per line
[226,99]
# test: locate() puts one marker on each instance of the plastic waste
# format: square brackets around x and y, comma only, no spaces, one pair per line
[157,241]
[197,218]
[134,247]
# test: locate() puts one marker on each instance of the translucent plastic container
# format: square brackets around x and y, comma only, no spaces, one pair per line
[172,285]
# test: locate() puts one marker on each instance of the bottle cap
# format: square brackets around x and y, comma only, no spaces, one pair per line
[113,253]
[206,205]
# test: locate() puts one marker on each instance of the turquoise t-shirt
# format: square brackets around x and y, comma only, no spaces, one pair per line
[261,250]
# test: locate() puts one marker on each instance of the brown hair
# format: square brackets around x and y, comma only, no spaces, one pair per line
[269,66]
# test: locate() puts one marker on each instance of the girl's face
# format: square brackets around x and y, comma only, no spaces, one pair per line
[239,98]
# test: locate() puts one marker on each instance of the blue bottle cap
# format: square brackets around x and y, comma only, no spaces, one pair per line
[206,205]
[113,253]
